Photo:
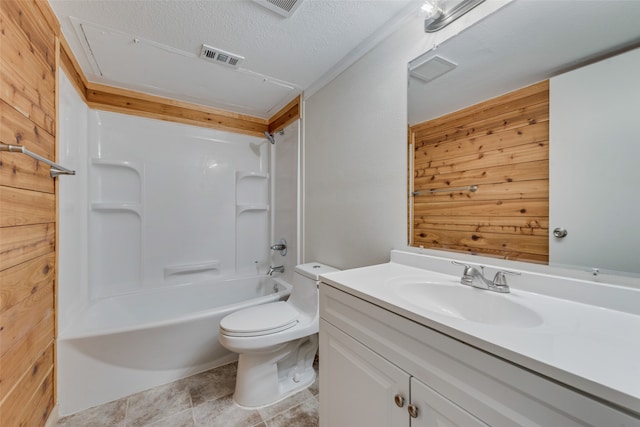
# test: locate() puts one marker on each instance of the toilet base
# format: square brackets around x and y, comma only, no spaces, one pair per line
[273,374]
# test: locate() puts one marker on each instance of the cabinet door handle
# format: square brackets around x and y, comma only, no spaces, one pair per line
[399,400]
[413,411]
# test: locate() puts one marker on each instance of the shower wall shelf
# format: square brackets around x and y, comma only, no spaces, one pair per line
[174,270]
[115,206]
[252,194]
[242,174]
[118,181]
[252,218]
[251,188]
[251,208]
[118,163]
[116,195]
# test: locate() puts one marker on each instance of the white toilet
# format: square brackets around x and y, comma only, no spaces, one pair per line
[277,342]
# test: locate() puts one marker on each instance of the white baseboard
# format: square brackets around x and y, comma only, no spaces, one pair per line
[54,416]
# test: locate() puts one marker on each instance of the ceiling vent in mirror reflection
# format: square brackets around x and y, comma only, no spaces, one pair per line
[281,7]
[426,70]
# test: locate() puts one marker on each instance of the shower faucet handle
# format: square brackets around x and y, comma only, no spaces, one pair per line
[280,246]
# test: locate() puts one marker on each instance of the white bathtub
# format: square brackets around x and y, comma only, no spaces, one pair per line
[129,343]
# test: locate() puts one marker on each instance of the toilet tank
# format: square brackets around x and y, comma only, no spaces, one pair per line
[304,295]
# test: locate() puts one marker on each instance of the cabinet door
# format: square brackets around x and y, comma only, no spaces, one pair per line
[358,387]
[435,410]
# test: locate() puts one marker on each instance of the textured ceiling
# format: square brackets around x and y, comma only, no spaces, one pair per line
[153,45]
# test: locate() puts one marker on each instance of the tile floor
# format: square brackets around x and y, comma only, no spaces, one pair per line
[200,400]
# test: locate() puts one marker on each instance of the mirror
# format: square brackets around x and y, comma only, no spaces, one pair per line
[523,43]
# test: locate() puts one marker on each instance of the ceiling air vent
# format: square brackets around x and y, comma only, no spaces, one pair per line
[281,7]
[430,69]
[221,57]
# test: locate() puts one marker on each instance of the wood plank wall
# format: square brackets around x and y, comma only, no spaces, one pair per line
[502,146]
[28,64]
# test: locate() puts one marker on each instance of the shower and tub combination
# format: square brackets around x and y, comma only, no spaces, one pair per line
[169,229]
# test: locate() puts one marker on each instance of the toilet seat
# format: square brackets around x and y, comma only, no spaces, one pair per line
[260,320]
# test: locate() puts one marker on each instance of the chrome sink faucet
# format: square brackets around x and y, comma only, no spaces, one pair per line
[474,277]
[278,269]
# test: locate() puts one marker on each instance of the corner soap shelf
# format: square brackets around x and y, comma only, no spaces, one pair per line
[134,206]
[116,207]
[252,219]
[251,191]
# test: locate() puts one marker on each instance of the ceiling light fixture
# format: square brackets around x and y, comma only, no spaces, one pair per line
[441,13]
[430,8]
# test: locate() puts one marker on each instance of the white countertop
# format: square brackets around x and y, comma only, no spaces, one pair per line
[593,348]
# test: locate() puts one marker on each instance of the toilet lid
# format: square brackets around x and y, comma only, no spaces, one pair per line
[260,320]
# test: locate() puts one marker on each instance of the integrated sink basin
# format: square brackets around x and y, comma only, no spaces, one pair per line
[466,303]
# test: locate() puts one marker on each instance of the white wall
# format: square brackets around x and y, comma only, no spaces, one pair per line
[284,176]
[73,262]
[355,151]
[593,173]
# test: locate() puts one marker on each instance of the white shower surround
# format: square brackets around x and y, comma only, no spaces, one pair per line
[171,202]
[166,215]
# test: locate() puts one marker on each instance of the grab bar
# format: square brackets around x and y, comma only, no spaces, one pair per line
[472,188]
[55,170]
[191,268]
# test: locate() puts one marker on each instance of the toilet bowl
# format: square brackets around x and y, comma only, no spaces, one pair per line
[276,342]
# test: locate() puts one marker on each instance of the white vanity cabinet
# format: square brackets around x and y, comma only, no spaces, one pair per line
[369,355]
[434,410]
[362,388]
[359,385]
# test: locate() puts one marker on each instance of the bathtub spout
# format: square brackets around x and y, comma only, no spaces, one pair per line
[278,269]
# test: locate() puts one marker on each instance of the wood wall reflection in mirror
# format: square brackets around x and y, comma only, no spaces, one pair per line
[500,145]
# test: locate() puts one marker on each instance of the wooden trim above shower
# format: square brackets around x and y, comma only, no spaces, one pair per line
[71,67]
[287,115]
[110,98]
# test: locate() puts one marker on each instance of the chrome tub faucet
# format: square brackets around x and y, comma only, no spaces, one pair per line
[278,269]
